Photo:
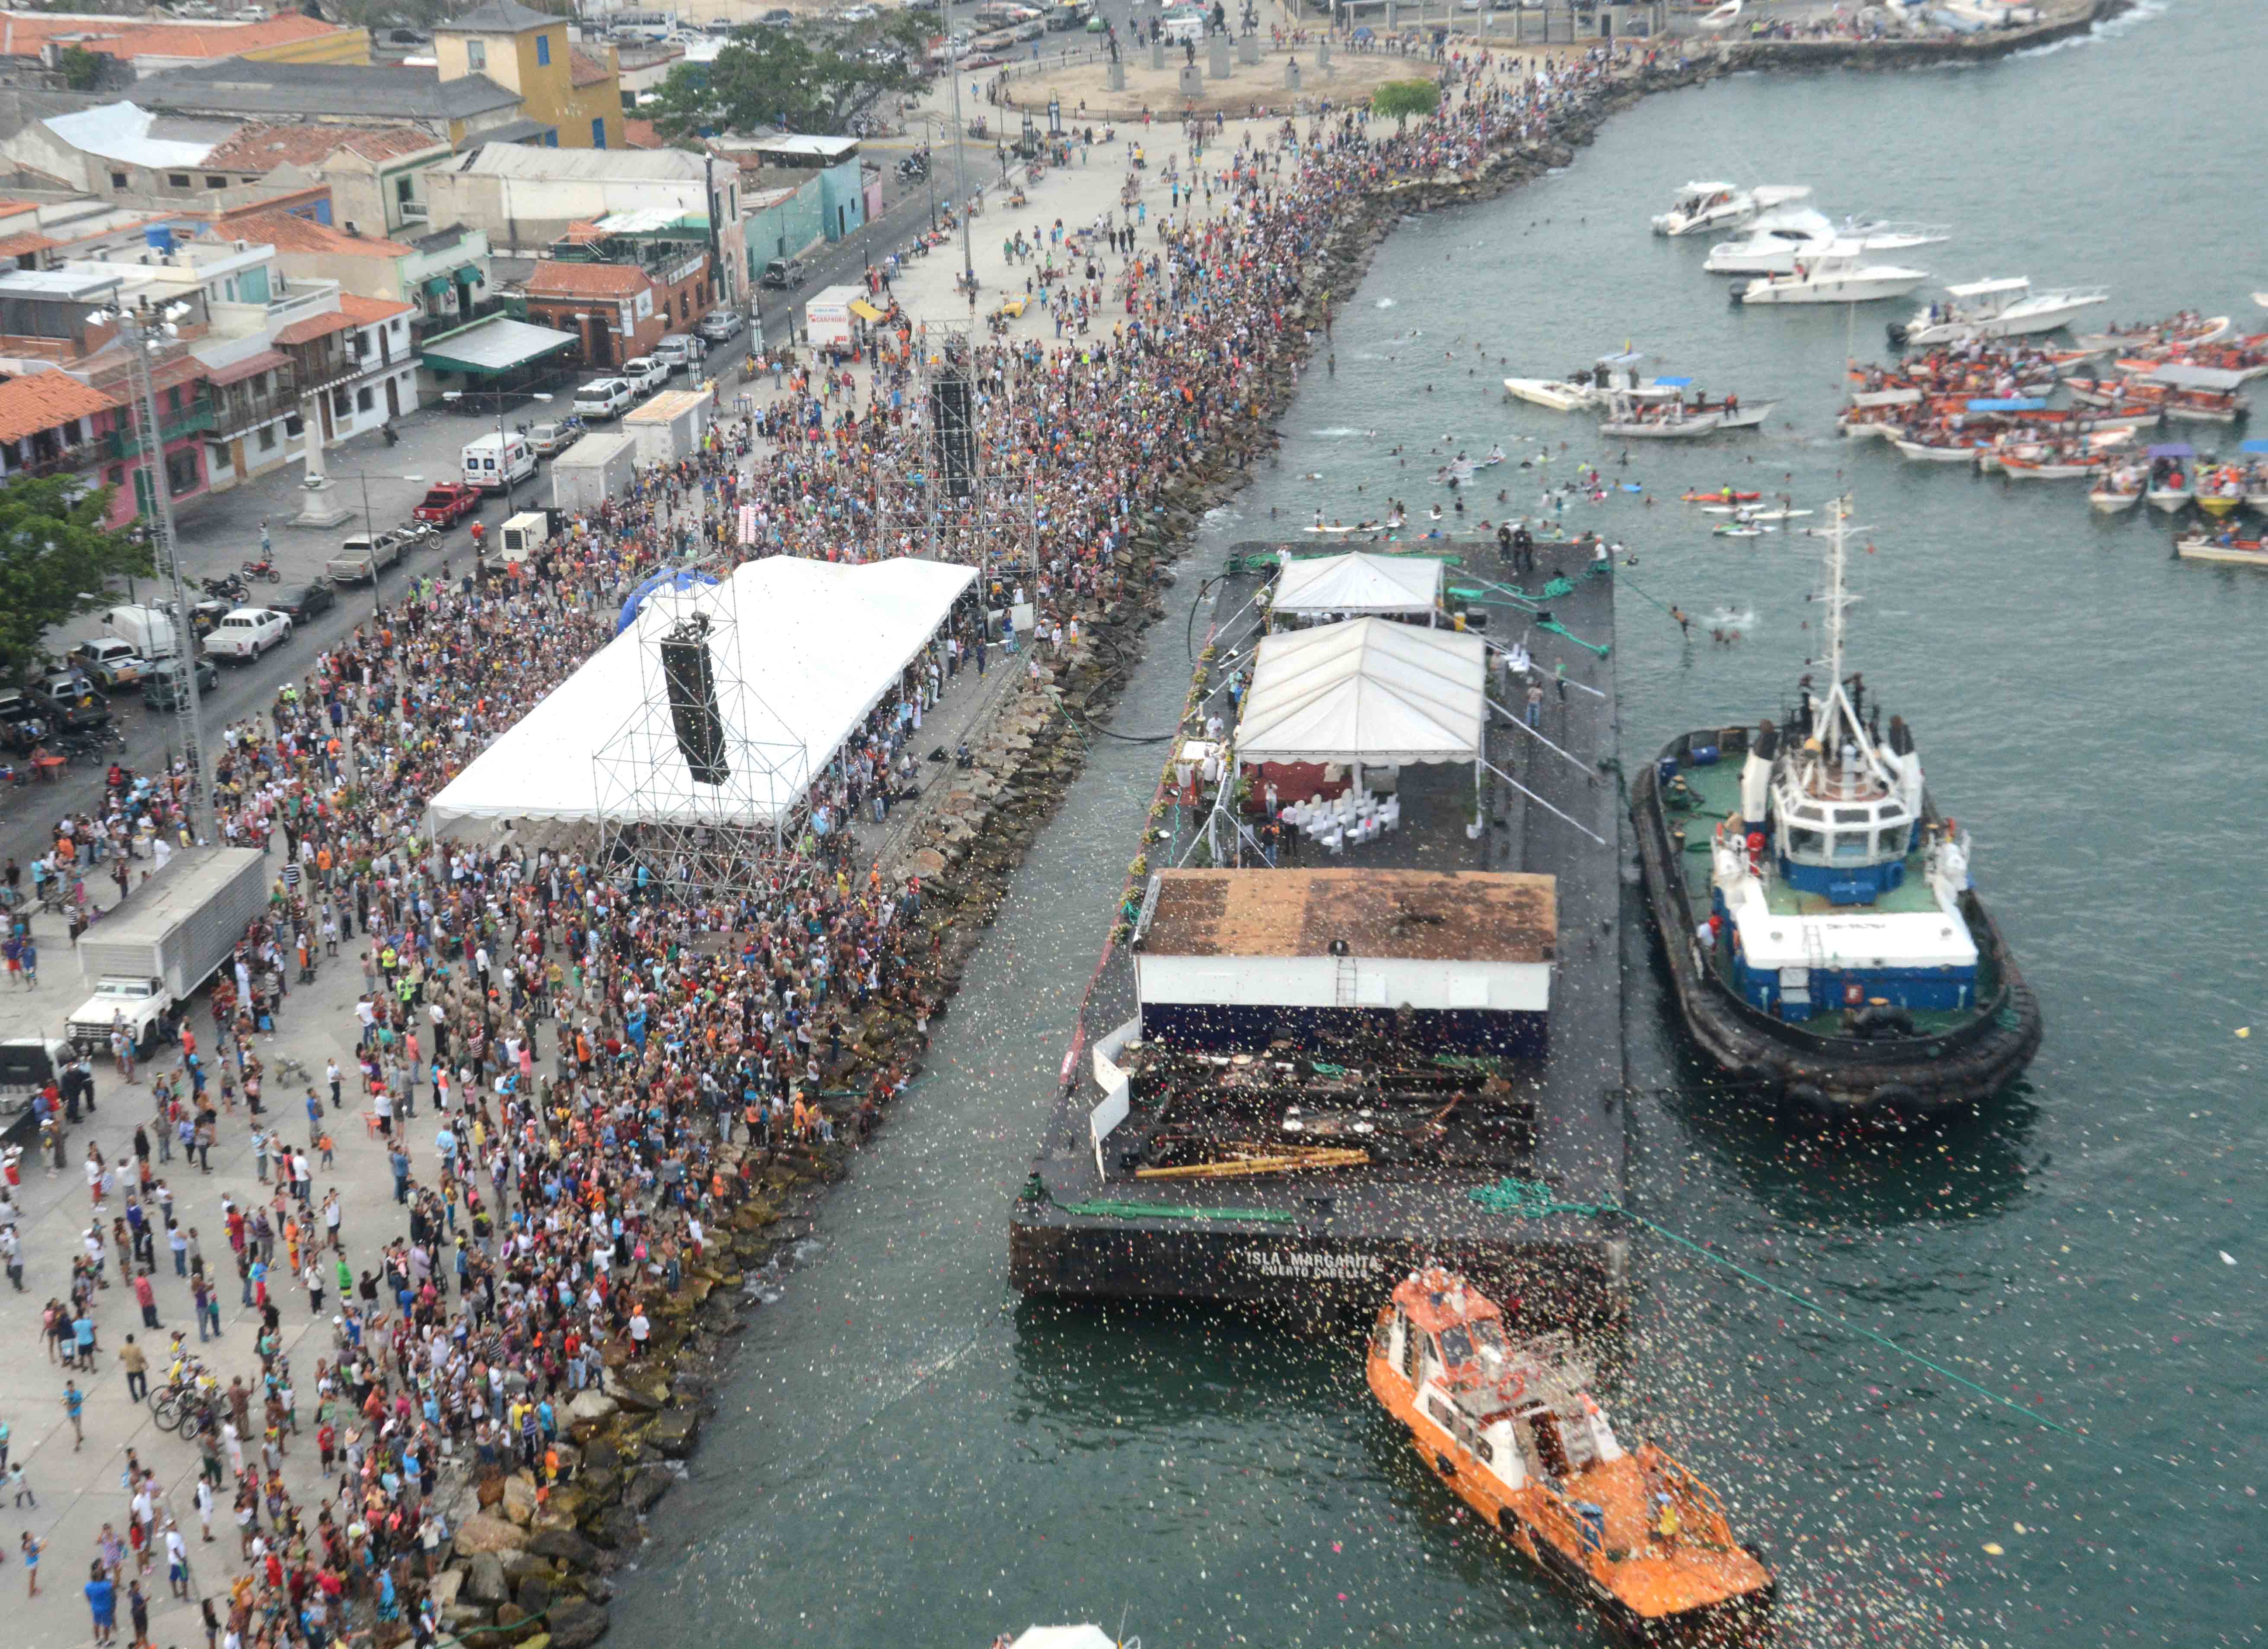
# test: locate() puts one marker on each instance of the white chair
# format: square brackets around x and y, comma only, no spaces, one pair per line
[1335,843]
[1389,816]
[1367,830]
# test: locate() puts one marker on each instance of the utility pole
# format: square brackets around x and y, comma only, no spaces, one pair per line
[143,333]
[961,183]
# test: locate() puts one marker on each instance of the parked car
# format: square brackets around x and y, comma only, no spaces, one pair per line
[19,717]
[646,373]
[604,398]
[551,439]
[70,699]
[163,682]
[301,603]
[247,632]
[109,663]
[448,503]
[364,557]
[778,18]
[783,274]
[718,326]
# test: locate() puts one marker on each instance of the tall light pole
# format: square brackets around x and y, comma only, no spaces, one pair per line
[961,183]
[369,531]
[145,333]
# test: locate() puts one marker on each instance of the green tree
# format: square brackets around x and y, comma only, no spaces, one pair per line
[82,68]
[55,555]
[807,81]
[1401,99]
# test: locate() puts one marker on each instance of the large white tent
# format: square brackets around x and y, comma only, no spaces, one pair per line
[802,651]
[1359,582]
[1369,690]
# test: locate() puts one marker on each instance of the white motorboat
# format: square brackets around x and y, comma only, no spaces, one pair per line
[2184,332]
[1629,421]
[1923,452]
[2172,483]
[1777,240]
[2005,307]
[1723,18]
[1704,206]
[1559,393]
[2121,489]
[2261,298]
[1840,275]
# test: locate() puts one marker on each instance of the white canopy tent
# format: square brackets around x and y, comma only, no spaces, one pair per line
[802,651]
[1369,690]
[1357,583]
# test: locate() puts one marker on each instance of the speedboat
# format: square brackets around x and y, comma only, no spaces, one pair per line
[2173,476]
[1559,393]
[2225,548]
[1705,206]
[1837,275]
[1593,386]
[2001,308]
[1507,1422]
[1777,240]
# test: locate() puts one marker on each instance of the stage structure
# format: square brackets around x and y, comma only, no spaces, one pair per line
[681,788]
[966,513]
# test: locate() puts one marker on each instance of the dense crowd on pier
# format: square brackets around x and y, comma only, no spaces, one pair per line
[549,1201]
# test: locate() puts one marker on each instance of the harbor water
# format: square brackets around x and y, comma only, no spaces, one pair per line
[907,1454]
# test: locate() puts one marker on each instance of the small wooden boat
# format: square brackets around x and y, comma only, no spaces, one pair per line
[2061,467]
[1507,1422]
[2173,476]
[2119,490]
[2223,547]
[2182,332]
[1925,453]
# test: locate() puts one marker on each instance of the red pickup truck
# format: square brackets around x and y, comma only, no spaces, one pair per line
[448,505]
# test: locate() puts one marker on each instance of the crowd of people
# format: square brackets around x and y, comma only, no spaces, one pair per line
[558,1051]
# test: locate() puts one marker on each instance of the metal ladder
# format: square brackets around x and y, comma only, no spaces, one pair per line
[1345,993]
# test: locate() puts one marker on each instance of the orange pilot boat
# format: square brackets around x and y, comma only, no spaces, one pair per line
[1507,1423]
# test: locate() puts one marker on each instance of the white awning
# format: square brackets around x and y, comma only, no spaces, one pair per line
[1368,690]
[1359,582]
[802,651]
[495,345]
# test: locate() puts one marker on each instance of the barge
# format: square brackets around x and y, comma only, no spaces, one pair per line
[1288,1081]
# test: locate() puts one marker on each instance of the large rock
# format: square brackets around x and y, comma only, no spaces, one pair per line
[643,1394]
[673,1434]
[577,1623]
[591,1404]
[519,1501]
[535,1594]
[647,1487]
[482,1532]
[484,1582]
[564,1546]
[617,1530]
[444,1587]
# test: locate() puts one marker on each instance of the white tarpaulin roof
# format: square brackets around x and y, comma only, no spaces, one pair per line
[813,646]
[1368,690]
[1359,582]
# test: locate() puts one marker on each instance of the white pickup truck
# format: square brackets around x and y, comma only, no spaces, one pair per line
[173,934]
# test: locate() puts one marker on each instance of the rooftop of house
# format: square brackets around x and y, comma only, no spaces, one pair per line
[22,34]
[515,160]
[498,17]
[135,134]
[641,134]
[552,279]
[261,147]
[364,310]
[288,233]
[584,70]
[323,90]
[41,400]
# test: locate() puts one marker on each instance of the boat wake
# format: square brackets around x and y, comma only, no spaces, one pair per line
[1727,618]
[1386,302]
[2110,29]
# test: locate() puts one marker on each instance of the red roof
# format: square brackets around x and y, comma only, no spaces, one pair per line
[264,148]
[30,240]
[41,400]
[554,278]
[583,69]
[22,33]
[250,366]
[314,327]
[362,311]
[641,134]
[287,232]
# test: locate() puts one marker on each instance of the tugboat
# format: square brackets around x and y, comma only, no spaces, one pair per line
[1507,1424]
[1822,932]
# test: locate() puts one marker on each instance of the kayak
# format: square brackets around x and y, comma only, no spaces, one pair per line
[1719,497]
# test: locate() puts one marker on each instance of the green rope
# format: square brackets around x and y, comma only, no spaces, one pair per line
[1557,628]
[1108,1209]
[1532,1199]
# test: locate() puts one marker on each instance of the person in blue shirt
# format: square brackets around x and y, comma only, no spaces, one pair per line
[102,1601]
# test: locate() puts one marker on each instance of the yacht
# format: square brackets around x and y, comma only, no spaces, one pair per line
[1777,238]
[1839,275]
[1594,386]
[1708,206]
[2005,307]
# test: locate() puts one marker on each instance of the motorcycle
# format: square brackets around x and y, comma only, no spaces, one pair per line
[262,568]
[228,587]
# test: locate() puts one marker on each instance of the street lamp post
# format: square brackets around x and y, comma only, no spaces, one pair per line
[370,530]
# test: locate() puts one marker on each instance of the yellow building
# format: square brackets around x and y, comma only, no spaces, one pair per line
[573,92]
